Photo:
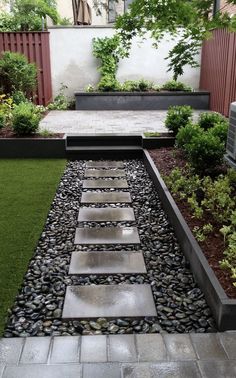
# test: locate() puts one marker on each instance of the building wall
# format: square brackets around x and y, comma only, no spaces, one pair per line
[73,64]
[230,8]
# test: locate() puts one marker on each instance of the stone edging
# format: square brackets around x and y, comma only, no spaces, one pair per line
[223,308]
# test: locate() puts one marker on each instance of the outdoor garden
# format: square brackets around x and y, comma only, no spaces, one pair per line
[40,198]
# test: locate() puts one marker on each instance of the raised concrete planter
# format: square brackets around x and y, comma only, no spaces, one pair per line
[223,308]
[158,142]
[32,148]
[140,101]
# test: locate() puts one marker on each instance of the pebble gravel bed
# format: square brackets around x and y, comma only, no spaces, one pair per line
[181,306]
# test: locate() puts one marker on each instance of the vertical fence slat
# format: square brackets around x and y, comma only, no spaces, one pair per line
[218,73]
[35,46]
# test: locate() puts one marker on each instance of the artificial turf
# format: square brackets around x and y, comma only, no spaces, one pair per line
[27,188]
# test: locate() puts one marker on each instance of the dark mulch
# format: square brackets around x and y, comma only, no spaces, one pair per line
[167,159]
[7,132]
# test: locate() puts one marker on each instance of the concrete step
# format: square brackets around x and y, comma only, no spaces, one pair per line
[107,235]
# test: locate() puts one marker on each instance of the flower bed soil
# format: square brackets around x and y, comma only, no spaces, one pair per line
[166,159]
[7,132]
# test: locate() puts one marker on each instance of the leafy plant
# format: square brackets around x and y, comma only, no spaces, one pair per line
[186,134]
[60,101]
[207,120]
[205,152]
[25,118]
[137,86]
[178,116]
[46,133]
[17,74]
[151,134]
[174,85]
[90,89]
[220,131]
[2,119]
[108,83]
[201,233]
[18,97]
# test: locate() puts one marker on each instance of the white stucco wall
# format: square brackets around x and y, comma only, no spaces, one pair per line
[73,64]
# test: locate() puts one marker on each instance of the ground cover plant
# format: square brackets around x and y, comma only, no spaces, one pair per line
[27,188]
[205,190]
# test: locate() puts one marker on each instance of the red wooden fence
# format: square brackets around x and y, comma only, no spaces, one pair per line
[218,70]
[35,46]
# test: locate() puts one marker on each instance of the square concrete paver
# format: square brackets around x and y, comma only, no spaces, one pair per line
[150,348]
[115,197]
[122,348]
[107,263]
[94,349]
[101,371]
[36,350]
[103,184]
[179,347]
[105,164]
[104,173]
[65,349]
[111,301]
[161,370]
[228,340]
[208,347]
[43,371]
[107,235]
[218,369]
[10,350]
[107,214]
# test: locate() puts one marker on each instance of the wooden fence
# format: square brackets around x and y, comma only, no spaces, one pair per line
[35,46]
[218,70]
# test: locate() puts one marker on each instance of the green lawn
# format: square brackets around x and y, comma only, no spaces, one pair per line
[27,188]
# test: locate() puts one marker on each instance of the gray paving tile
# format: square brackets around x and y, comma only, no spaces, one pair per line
[43,371]
[105,164]
[179,347]
[107,235]
[104,173]
[10,350]
[150,348]
[115,197]
[228,340]
[218,369]
[106,214]
[36,350]
[101,371]
[65,349]
[208,347]
[94,349]
[107,262]
[108,301]
[122,348]
[136,371]
[102,184]
[2,366]
[181,369]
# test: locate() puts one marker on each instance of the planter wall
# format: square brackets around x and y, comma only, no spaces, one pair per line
[223,308]
[32,148]
[140,101]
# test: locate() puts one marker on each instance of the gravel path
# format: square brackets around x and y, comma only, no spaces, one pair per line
[180,304]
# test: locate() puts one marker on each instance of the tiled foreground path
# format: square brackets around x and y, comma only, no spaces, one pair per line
[120,356]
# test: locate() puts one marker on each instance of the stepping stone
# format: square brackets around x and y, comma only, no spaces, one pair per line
[107,235]
[104,173]
[115,197]
[108,301]
[100,183]
[107,214]
[107,263]
[105,164]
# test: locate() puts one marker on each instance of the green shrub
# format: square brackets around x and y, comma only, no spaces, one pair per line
[220,130]
[25,118]
[174,85]
[2,120]
[136,85]
[108,84]
[178,116]
[18,97]
[207,120]
[60,101]
[17,74]
[186,134]
[205,152]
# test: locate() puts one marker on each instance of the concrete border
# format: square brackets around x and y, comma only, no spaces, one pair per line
[32,148]
[140,101]
[223,308]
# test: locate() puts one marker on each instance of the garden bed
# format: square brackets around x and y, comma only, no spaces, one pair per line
[215,282]
[140,100]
